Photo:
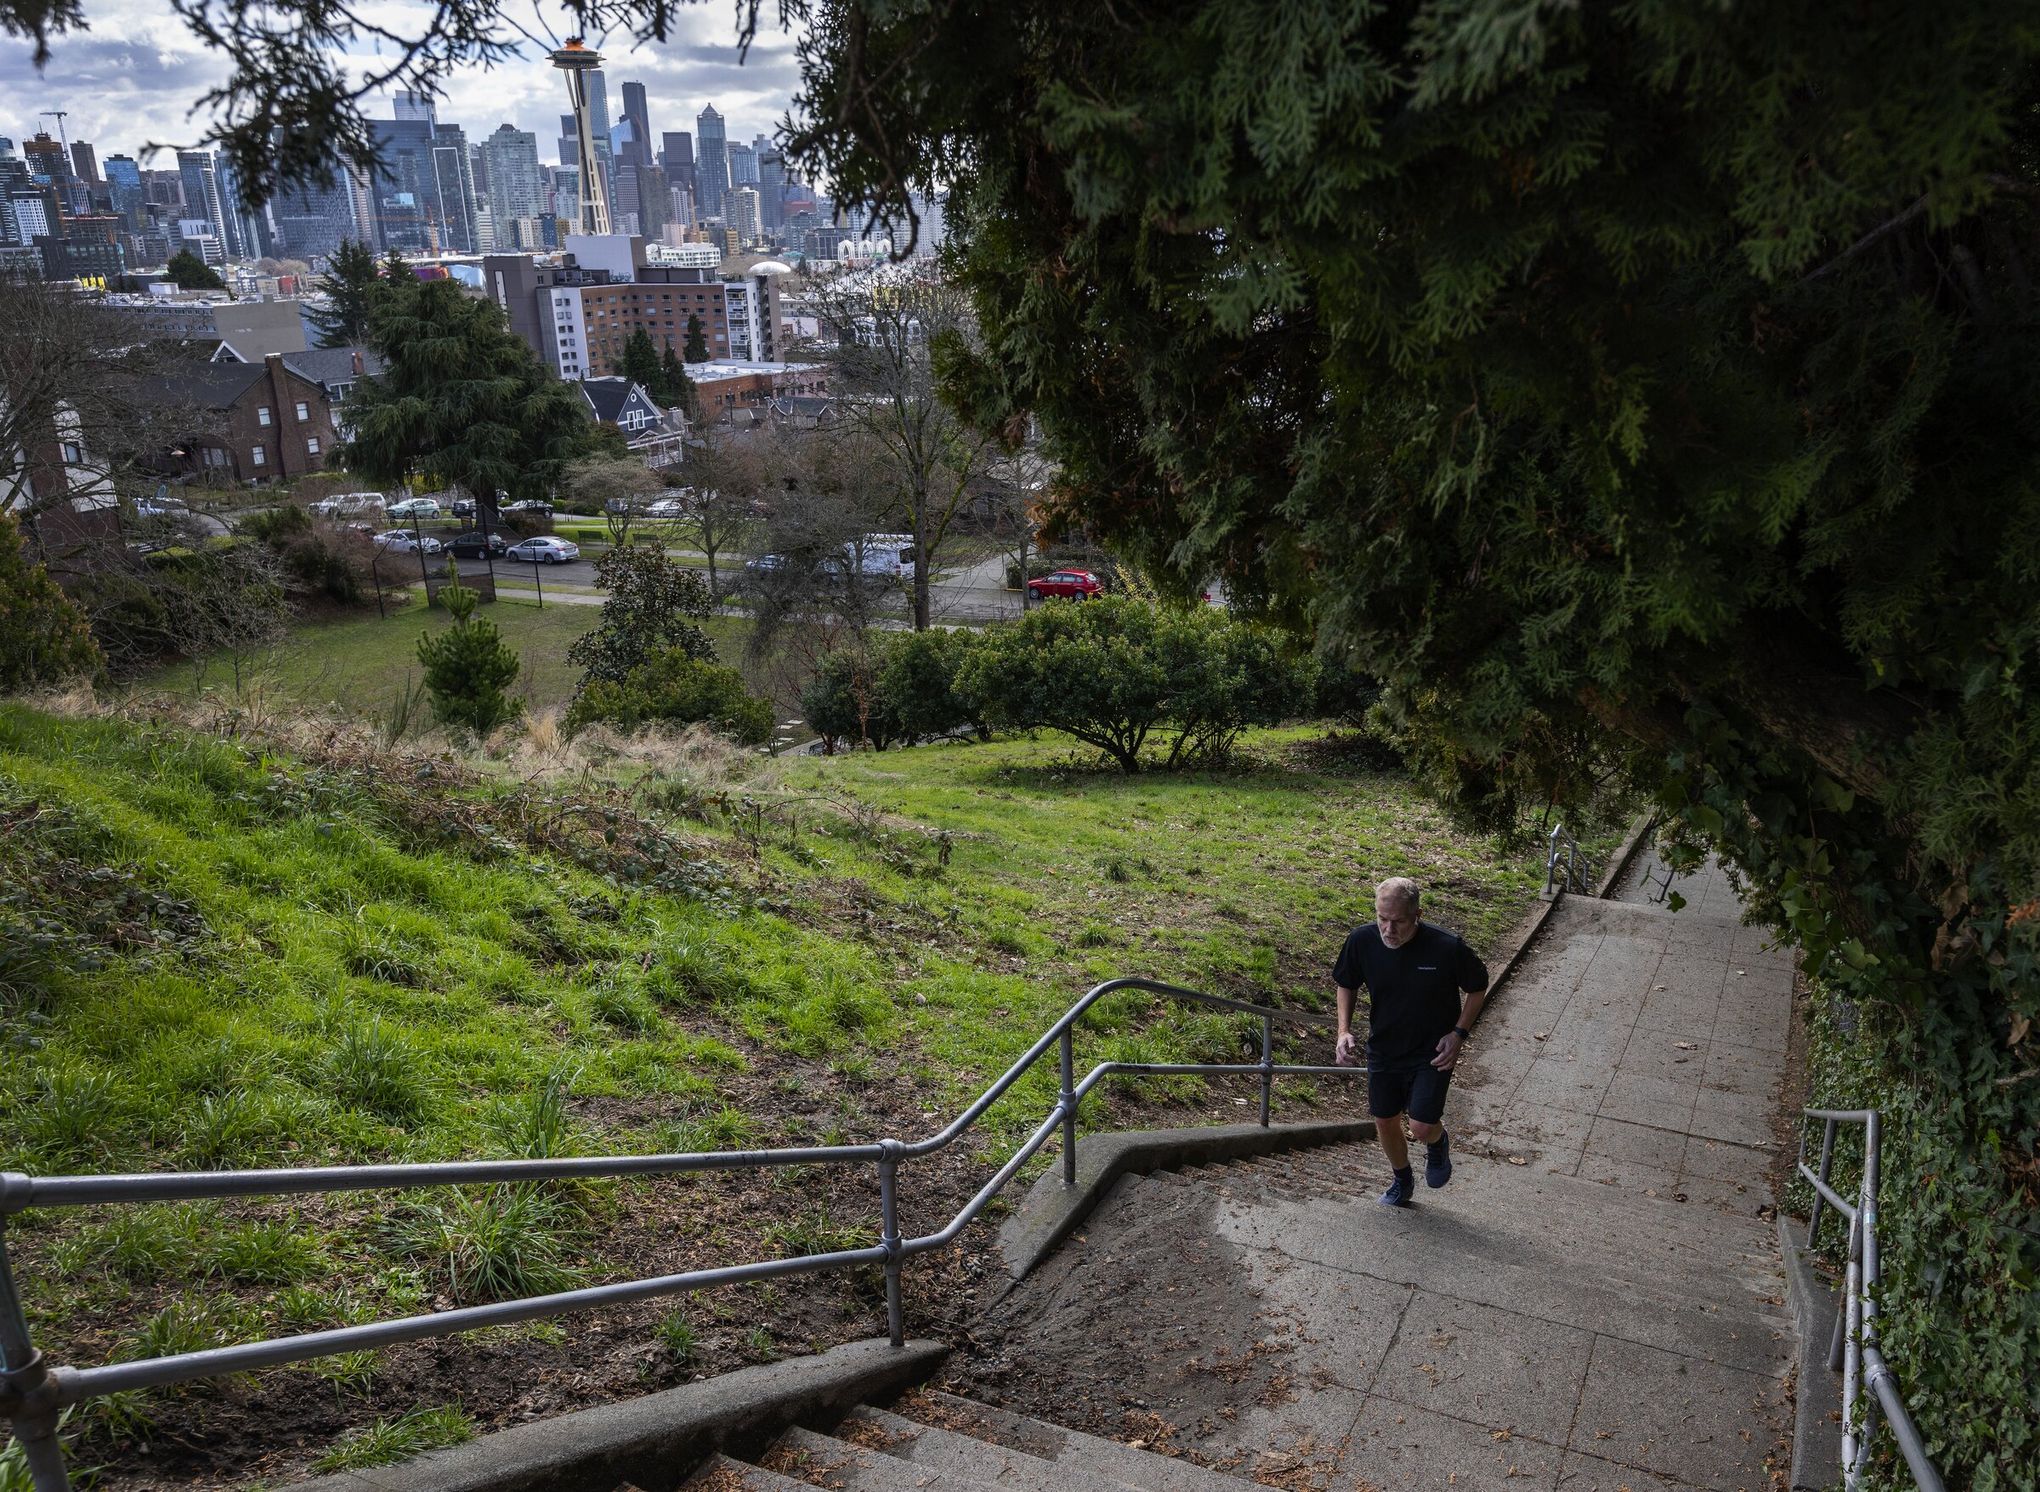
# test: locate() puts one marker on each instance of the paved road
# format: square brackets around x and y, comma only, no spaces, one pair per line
[1593,1304]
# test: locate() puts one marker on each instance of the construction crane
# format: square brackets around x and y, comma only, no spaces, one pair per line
[60,115]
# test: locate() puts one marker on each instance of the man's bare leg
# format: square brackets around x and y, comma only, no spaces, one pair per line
[1393,1145]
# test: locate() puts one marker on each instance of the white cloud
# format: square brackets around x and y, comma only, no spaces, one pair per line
[136,75]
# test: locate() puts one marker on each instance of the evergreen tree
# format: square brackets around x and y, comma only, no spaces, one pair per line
[461,399]
[641,362]
[189,272]
[696,350]
[679,387]
[396,269]
[43,638]
[469,666]
[351,284]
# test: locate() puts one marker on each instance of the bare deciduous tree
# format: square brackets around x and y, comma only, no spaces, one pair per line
[888,326]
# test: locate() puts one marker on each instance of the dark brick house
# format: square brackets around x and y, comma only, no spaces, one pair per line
[269,421]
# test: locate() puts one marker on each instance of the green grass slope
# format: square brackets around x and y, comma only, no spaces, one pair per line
[216,953]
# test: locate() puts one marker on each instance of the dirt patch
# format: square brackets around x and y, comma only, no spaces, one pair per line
[1087,1343]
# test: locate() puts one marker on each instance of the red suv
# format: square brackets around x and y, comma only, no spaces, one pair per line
[1080,585]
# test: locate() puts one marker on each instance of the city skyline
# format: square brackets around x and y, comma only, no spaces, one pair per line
[132,84]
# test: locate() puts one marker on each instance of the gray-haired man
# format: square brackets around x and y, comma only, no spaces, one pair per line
[1425,988]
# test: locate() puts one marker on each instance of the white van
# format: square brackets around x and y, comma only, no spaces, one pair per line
[890,555]
[348,504]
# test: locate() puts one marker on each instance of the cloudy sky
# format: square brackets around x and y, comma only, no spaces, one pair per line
[134,78]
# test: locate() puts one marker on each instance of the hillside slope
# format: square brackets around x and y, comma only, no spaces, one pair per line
[222,952]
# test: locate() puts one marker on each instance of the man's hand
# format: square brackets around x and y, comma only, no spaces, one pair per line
[1448,1052]
[1342,1049]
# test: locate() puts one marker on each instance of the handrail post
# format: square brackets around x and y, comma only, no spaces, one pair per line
[889,1237]
[1267,1066]
[1068,1103]
[25,1387]
[1827,1156]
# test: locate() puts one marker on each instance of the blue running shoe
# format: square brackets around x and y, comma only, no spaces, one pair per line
[1438,1161]
[1402,1191]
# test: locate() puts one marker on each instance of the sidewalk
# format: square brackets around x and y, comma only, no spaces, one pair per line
[1595,1302]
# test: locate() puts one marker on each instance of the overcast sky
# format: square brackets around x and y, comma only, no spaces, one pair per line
[134,78]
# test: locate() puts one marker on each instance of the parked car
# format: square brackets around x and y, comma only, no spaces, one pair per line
[348,504]
[1079,585]
[403,541]
[530,505]
[415,507]
[543,550]
[669,507]
[473,543]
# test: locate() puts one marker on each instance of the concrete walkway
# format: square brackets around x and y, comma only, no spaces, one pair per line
[1595,1302]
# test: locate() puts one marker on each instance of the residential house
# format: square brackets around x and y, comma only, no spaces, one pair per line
[272,422]
[655,435]
[335,370]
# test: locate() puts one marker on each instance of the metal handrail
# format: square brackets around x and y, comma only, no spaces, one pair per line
[1559,844]
[33,1393]
[1854,1349]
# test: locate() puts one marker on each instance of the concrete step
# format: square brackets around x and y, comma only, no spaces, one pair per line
[1100,1462]
[940,1449]
[826,1461]
[720,1474]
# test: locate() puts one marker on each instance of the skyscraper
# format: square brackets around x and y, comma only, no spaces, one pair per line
[200,178]
[640,121]
[676,154]
[771,190]
[453,168]
[711,165]
[312,219]
[84,163]
[743,165]
[516,191]
[742,213]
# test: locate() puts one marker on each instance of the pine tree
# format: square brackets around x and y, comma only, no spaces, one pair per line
[679,387]
[351,285]
[469,666]
[189,272]
[641,362]
[43,637]
[461,398]
[697,342]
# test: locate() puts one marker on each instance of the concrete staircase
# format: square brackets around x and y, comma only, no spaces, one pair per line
[936,1442]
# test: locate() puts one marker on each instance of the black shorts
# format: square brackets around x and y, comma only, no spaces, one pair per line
[1416,1091]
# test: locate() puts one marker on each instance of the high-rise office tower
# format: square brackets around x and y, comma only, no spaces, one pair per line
[640,121]
[742,213]
[247,235]
[199,175]
[583,70]
[711,163]
[676,154]
[85,164]
[516,192]
[415,107]
[743,165]
[312,219]
[771,190]
[453,166]
[124,189]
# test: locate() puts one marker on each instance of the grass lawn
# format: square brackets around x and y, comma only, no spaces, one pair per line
[358,665]
[215,953]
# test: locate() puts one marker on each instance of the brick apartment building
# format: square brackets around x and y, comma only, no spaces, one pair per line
[578,312]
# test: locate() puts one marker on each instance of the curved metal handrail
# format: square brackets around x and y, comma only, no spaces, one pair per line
[33,1393]
[1854,1349]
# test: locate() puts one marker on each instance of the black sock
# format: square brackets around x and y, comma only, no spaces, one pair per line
[1434,1146]
[1404,1173]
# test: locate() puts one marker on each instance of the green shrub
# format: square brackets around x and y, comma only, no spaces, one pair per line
[1117,671]
[917,678]
[678,1337]
[651,610]
[674,688]
[844,703]
[468,666]
[1959,1314]
[43,637]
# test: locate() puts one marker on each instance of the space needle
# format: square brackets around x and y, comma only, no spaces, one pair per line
[577,61]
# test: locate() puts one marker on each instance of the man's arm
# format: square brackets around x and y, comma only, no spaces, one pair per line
[1342,1049]
[1451,1042]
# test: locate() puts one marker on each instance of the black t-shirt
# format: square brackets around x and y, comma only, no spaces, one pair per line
[1413,991]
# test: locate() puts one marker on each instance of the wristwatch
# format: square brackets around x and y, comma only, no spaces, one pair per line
[1462,1033]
